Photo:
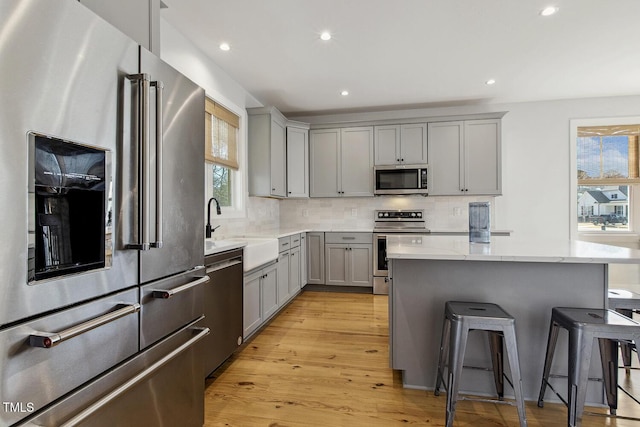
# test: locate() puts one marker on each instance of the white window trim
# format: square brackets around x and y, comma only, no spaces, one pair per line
[604,236]
[239,208]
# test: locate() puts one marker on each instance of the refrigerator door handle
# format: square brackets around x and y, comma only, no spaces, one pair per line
[159,86]
[142,133]
[52,339]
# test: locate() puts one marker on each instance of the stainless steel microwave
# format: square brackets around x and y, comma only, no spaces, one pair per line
[400,179]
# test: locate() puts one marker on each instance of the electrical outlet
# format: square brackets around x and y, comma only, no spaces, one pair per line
[354,212]
[456,211]
[305,213]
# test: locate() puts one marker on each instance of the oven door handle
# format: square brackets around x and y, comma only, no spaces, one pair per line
[168,293]
[52,339]
[123,388]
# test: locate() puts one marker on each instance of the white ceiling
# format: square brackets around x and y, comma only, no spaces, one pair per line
[416,53]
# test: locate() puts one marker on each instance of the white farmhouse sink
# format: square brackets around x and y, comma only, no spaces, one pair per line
[258,251]
[213,246]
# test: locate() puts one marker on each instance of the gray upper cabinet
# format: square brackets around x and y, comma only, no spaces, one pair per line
[267,153]
[297,159]
[465,157]
[324,149]
[401,144]
[341,162]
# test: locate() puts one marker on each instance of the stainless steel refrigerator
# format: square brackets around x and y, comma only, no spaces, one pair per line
[101,188]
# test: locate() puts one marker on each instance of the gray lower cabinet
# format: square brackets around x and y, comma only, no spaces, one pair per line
[303,259]
[270,287]
[269,292]
[348,259]
[289,265]
[315,258]
[295,261]
[283,277]
[260,297]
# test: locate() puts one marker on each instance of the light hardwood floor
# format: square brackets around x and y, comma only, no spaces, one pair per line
[323,361]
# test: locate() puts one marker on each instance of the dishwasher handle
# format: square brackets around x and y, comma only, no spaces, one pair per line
[82,416]
[168,293]
[52,339]
[224,264]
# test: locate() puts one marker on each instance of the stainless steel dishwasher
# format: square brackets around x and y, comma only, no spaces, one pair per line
[222,308]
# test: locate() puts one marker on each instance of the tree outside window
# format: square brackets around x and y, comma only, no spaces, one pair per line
[221,151]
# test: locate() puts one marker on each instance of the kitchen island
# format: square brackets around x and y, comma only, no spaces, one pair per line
[526,278]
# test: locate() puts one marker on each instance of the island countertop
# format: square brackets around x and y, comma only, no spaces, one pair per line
[504,248]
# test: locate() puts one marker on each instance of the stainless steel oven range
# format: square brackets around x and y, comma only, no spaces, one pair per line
[392,222]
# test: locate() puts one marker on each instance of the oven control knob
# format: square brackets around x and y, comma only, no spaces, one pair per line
[413,214]
[419,214]
[380,214]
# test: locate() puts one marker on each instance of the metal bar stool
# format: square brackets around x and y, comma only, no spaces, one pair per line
[624,302]
[584,325]
[462,317]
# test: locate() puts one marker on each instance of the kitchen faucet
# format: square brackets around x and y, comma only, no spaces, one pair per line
[208,229]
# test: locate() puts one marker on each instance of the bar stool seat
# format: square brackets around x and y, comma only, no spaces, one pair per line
[462,317]
[624,302]
[584,325]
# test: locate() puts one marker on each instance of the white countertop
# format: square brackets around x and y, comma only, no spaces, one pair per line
[507,249]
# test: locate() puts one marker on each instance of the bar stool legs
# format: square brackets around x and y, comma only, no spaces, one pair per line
[584,325]
[460,318]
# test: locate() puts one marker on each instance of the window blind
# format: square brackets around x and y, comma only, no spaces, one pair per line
[221,131]
[608,155]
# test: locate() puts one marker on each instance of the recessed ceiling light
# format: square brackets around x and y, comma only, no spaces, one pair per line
[344,93]
[326,35]
[225,46]
[548,11]
[490,82]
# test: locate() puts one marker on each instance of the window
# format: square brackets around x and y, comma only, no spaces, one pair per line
[607,172]
[221,156]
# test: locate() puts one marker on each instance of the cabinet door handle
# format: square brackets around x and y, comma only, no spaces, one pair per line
[348,238]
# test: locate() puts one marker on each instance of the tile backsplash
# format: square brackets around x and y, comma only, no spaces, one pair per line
[264,214]
[441,213]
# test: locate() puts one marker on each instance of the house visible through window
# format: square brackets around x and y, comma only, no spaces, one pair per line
[607,168]
[221,150]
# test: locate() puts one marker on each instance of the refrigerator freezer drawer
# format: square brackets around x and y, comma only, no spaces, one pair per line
[47,357]
[162,386]
[170,303]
